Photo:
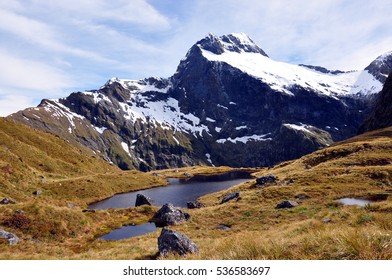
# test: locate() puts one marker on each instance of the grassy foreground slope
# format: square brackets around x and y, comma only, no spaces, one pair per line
[53,225]
[320,227]
[67,179]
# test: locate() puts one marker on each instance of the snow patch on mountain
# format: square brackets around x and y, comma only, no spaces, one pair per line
[139,86]
[100,130]
[302,127]
[282,76]
[126,148]
[57,109]
[97,97]
[165,113]
[245,139]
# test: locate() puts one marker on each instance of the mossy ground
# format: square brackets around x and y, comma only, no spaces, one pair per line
[53,226]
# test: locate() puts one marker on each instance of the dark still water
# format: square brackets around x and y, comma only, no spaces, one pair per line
[129,231]
[178,192]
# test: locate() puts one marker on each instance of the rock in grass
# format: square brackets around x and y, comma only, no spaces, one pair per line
[7,201]
[171,241]
[11,238]
[267,179]
[230,196]
[37,192]
[194,204]
[141,199]
[169,215]
[286,204]
[224,227]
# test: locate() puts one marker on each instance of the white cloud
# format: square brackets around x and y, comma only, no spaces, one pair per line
[12,103]
[135,12]
[41,34]
[28,74]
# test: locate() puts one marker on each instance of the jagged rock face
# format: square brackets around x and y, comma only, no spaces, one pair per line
[102,120]
[381,116]
[381,67]
[227,104]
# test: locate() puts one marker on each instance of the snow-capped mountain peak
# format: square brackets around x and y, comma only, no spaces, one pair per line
[234,42]
[380,67]
[227,95]
[239,51]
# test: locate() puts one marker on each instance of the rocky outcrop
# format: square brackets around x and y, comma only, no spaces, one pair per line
[11,238]
[169,215]
[141,199]
[230,196]
[171,241]
[381,116]
[286,204]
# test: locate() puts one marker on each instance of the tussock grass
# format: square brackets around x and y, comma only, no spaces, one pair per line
[53,226]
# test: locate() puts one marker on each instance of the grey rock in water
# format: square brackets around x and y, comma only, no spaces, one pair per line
[141,199]
[7,201]
[194,204]
[230,196]
[171,241]
[12,238]
[267,179]
[169,215]
[286,204]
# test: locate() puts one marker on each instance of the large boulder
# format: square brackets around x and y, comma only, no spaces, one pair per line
[169,215]
[141,199]
[171,241]
[230,196]
[11,238]
[286,204]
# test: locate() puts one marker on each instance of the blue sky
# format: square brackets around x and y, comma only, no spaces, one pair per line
[50,48]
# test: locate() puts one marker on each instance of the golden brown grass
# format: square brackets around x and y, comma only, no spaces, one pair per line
[52,229]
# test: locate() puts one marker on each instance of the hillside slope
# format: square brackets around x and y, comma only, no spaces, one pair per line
[45,183]
[320,227]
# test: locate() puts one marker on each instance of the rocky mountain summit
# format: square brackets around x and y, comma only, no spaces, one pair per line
[227,104]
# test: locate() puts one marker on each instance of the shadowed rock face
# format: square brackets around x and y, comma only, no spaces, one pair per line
[381,116]
[171,241]
[207,108]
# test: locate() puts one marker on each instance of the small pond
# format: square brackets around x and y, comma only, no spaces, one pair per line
[178,192]
[129,231]
[354,201]
[362,201]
